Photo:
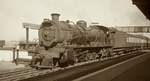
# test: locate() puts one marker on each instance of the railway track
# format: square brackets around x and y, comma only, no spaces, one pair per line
[15,74]
[21,73]
[69,74]
[30,74]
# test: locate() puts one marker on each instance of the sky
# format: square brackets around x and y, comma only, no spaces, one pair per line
[107,12]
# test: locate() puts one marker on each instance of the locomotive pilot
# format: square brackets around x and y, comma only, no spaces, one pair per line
[36,57]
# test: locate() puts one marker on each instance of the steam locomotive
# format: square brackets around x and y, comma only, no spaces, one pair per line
[63,43]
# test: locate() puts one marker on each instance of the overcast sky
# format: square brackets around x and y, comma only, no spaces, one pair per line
[107,12]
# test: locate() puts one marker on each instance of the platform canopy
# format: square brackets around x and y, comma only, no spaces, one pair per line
[144,6]
[134,29]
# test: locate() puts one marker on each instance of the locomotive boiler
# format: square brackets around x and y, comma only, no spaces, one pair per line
[53,32]
[63,41]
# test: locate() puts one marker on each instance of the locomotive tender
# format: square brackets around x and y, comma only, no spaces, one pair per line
[63,43]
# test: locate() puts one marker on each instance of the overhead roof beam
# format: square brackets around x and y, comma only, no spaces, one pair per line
[31,26]
[143,5]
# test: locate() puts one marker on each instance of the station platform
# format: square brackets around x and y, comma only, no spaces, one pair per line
[6,57]
[140,72]
[134,69]
[5,65]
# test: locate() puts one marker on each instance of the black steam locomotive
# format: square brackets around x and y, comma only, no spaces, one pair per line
[63,43]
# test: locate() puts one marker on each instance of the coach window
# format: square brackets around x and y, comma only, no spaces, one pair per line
[145,30]
[140,41]
[132,39]
[148,30]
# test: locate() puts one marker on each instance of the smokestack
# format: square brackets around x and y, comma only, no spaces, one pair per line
[55,16]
